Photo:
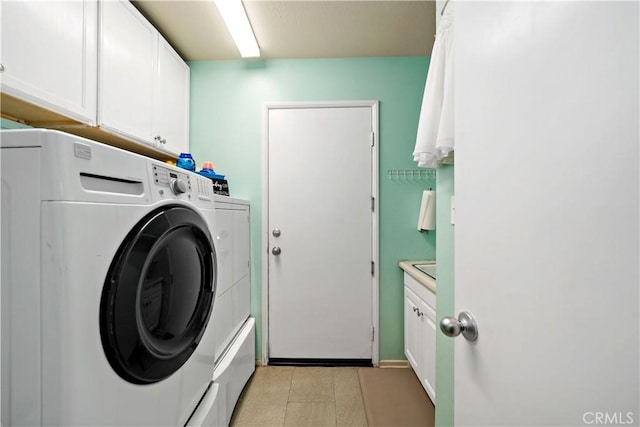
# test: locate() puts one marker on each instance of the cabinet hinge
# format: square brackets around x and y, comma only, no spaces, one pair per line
[373,138]
[373,332]
[373,268]
[373,204]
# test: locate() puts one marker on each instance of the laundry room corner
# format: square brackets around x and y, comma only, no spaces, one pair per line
[227,101]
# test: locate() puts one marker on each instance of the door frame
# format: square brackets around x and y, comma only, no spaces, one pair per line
[375,283]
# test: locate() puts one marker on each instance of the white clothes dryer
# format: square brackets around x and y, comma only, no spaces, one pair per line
[233,328]
[108,281]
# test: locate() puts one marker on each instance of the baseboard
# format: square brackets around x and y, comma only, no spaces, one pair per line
[318,362]
[381,364]
[393,364]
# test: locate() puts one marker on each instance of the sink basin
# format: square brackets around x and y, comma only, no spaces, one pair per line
[427,268]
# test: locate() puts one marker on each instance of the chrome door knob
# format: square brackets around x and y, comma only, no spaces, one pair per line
[465,324]
[276,250]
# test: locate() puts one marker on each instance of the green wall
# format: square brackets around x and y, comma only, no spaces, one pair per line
[227,100]
[445,306]
[8,124]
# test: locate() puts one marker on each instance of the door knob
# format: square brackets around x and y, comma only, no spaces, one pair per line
[465,324]
[276,250]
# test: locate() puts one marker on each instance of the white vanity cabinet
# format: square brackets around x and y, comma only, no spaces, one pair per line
[143,82]
[420,332]
[48,55]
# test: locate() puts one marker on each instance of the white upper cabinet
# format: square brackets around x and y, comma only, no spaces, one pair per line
[49,55]
[94,63]
[128,50]
[143,83]
[171,117]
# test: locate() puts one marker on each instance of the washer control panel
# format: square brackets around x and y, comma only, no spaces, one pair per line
[178,182]
[204,187]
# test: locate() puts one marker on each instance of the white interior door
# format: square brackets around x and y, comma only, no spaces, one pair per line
[320,192]
[546,233]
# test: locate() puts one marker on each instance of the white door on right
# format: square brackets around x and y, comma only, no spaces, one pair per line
[547,224]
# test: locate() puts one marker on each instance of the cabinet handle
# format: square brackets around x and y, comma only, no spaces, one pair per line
[1,68]
[163,141]
[415,309]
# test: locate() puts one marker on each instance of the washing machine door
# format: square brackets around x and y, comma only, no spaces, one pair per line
[158,295]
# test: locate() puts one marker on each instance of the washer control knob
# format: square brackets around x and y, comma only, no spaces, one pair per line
[178,186]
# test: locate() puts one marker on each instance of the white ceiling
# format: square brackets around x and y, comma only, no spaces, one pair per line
[299,29]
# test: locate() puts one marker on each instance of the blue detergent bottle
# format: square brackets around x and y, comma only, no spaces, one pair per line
[185,161]
[207,170]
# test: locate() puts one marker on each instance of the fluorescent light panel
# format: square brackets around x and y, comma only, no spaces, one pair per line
[237,22]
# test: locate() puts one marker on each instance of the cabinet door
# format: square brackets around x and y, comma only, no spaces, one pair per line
[49,54]
[412,330]
[427,351]
[128,51]
[240,244]
[171,115]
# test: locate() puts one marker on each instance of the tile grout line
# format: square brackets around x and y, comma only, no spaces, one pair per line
[361,395]
[335,395]
[286,404]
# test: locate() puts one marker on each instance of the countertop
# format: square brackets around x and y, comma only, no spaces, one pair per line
[422,278]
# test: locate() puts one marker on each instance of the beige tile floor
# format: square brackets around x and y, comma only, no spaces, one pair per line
[301,396]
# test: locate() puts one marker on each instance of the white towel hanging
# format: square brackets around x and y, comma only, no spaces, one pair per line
[434,138]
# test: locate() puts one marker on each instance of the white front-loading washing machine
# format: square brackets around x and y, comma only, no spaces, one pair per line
[108,282]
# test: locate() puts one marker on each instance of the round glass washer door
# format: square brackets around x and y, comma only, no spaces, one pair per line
[158,294]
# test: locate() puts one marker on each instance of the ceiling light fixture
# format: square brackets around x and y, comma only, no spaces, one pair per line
[237,22]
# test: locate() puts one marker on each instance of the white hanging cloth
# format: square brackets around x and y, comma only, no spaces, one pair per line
[435,140]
